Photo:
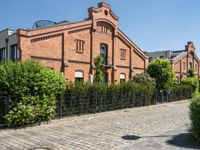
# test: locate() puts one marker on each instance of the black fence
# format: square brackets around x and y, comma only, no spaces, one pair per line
[173,95]
[74,103]
[4,108]
[77,103]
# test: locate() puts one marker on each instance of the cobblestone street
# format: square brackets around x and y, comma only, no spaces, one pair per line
[100,131]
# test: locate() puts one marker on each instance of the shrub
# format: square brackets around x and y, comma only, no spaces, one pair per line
[161,70]
[191,73]
[144,78]
[195,117]
[33,89]
[191,81]
[98,76]
[181,92]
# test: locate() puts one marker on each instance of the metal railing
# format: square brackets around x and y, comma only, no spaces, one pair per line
[75,104]
[164,95]
[4,108]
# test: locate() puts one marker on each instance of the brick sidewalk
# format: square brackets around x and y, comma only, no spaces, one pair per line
[98,131]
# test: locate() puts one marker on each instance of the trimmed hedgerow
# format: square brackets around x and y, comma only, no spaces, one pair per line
[85,98]
[195,117]
[193,81]
[33,89]
[181,92]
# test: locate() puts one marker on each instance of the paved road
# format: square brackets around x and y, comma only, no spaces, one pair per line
[157,127]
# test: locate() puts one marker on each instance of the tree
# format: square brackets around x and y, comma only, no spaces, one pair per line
[98,76]
[191,73]
[161,70]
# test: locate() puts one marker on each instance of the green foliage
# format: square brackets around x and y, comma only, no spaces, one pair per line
[191,73]
[144,78]
[98,97]
[181,92]
[98,76]
[161,70]
[191,81]
[33,88]
[195,117]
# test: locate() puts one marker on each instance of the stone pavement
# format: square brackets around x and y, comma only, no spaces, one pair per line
[104,130]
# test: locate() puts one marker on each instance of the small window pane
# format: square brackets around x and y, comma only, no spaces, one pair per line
[79,76]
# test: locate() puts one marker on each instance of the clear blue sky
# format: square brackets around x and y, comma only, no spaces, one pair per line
[151,24]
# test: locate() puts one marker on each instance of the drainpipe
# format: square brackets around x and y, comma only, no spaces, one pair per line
[7,54]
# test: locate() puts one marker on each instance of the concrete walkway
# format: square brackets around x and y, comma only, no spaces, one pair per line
[162,126]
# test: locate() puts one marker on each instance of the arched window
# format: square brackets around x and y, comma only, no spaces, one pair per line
[104,52]
[122,77]
[79,76]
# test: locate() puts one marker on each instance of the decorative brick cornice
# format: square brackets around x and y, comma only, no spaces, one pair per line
[78,30]
[45,37]
[46,58]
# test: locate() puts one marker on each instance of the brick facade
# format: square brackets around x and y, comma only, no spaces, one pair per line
[181,60]
[71,47]
[184,61]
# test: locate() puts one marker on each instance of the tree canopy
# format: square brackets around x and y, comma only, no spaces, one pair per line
[161,70]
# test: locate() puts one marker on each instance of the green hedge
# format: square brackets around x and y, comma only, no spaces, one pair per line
[33,89]
[85,98]
[181,92]
[191,81]
[195,117]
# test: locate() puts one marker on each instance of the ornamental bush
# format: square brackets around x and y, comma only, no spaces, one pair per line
[144,78]
[191,72]
[32,88]
[195,117]
[98,76]
[191,81]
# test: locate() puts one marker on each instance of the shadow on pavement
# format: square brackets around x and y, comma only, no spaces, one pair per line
[131,137]
[183,140]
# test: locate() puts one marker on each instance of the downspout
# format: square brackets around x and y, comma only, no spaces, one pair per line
[7,54]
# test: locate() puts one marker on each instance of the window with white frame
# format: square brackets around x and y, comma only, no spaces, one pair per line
[79,76]
[122,77]
[14,52]
[2,54]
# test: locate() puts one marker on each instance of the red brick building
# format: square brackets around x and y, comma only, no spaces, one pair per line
[181,60]
[71,47]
